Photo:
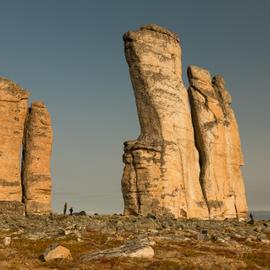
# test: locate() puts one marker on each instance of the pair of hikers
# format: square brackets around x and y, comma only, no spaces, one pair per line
[65,210]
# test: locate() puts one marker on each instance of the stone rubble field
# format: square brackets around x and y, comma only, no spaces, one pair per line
[129,242]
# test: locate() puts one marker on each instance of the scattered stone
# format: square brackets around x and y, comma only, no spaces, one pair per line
[262,236]
[202,236]
[56,251]
[135,249]
[150,215]
[265,241]
[7,241]
[81,213]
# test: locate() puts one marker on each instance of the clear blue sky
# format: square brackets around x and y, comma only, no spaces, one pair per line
[70,54]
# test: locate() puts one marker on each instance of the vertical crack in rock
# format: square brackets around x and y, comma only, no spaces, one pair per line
[202,157]
[161,173]
[37,148]
[13,109]
[218,142]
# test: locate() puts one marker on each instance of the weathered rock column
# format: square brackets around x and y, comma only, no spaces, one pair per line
[218,142]
[161,172]
[36,160]
[233,149]
[13,109]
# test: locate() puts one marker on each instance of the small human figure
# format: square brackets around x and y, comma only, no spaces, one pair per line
[65,208]
[251,221]
[71,211]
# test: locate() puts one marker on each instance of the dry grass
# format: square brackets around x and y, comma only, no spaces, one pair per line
[169,255]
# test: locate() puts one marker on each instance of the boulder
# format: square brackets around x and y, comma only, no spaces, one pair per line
[56,251]
[140,248]
[7,241]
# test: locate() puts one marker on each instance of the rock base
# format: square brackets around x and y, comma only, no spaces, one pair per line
[12,208]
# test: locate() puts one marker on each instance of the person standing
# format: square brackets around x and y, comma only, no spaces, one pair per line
[65,208]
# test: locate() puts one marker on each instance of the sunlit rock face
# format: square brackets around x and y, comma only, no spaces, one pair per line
[186,161]
[218,142]
[13,109]
[161,174]
[25,151]
[36,160]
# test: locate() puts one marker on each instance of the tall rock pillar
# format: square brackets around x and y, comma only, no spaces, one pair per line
[161,173]
[218,142]
[13,109]
[36,160]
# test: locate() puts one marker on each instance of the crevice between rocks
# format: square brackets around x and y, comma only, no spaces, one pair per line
[200,152]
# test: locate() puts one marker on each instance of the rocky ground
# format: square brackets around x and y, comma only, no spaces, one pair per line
[121,242]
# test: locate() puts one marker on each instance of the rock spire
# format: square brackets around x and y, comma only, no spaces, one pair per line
[185,162]
[37,149]
[161,172]
[28,184]
[218,142]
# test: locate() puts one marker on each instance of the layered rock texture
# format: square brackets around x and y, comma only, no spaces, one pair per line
[36,160]
[162,166]
[164,172]
[218,142]
[13,115]
[13,110]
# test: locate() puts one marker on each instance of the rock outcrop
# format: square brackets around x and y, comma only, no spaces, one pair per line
[138,248]
[13,109]
[164,173]
[35,188]
[218,142]
[37,149]
[161,172]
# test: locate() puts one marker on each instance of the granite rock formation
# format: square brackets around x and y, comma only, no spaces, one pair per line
[161,173]
[35,187]
[13,110]
[169,169]
[36,160]
[218,142]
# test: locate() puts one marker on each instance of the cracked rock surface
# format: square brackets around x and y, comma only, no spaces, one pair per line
[218,142]
[13,109]
[25,180]
[185,162]
[36,160]
[161,172]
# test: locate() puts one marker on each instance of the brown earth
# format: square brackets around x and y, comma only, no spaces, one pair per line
[179,244]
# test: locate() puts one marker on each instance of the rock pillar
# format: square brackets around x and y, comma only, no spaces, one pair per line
[218,142]
[36,160]
[161,173]
[13,110]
